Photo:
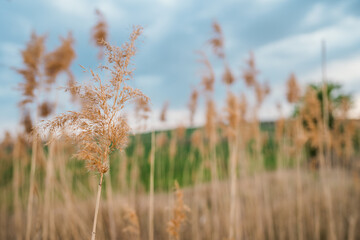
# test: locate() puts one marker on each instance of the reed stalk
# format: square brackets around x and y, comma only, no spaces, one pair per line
[233,186]
[151,196]
[93,234]
[32,186]
[16,187]
[48,192]
[109,197]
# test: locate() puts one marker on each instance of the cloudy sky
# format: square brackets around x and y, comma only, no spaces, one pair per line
[284,35]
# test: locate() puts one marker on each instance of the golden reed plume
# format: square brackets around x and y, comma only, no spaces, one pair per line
[193,105]
[179,213]
[100,32]
[293,89]
[164,111]
[250,72]
[32,58]
[99,128]
[217,41]
[60,59]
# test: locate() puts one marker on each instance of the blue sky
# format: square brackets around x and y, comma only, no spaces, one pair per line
[284,35]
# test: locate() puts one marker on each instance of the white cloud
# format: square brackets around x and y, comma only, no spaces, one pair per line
[321,13]
[345,71]
[175,118]
[299,49]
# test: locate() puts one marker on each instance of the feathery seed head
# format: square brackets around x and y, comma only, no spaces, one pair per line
[60,59]
[100,31]
[228,77]
[250,72]
[210,125]
[99,128]
[233,115]
[32,57]
[293,89]
[163,112]
[193,105]
[217,42]
[179,213]
[208,75]
[45,109]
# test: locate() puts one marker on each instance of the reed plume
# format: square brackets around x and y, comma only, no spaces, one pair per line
[32,58]
[250,72]
[217,41]
[99,32]
[210,124]
[228,78]
[164,111]
[193,105]
[132,224]
[142,112]
[233,115]
[293,89]
[208,75]
[179,214]
[45,109]
[261,91]
[99,128]
[310,115]
[27,122]
[60,59]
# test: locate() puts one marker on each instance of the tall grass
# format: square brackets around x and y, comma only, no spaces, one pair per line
[235,177]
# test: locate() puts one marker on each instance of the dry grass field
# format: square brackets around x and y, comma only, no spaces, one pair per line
[84,174]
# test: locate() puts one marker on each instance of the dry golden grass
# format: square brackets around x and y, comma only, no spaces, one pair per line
[231,192]
[179,214]
[99,128]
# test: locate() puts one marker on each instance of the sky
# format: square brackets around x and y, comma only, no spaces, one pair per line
[284,35]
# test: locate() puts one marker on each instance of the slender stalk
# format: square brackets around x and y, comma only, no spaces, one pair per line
[151,198]
[299,199]
[352,227]
[233,167]
[325,106]
[109,196]
[93,234]
[48,190]
[31,189]
[35,140]
[214,188]
[16,186]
